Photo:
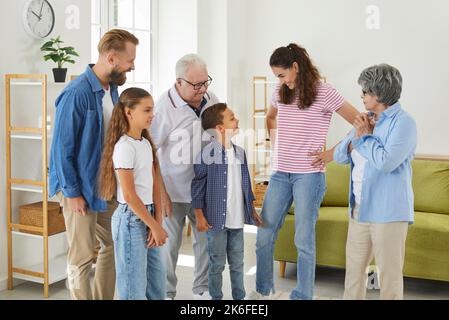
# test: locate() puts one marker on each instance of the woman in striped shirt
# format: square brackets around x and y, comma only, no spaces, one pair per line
[298,121]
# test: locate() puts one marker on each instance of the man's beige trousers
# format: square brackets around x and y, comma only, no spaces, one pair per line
[82,232]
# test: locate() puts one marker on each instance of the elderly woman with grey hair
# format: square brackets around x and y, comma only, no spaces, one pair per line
[379,149]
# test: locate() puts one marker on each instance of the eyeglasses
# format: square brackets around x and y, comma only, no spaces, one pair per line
[197,86]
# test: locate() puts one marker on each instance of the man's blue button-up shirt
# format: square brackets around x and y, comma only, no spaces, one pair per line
[78,139]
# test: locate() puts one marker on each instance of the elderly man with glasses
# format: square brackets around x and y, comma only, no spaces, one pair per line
[177,134]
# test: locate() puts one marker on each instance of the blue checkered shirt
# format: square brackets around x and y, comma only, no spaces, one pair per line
[209,186]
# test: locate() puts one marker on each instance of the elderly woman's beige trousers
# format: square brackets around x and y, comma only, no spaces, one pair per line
[385,242]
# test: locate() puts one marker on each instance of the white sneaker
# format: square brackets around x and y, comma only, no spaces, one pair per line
[254,295]
[202,296]
[169,298]
[281,296]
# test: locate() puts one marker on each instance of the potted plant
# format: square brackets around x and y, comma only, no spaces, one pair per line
[59,55]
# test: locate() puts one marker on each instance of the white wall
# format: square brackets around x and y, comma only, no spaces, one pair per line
[20,54]
[213,42]
[191,26]
[177,35]
[413,36]
[239,90]
[222,34]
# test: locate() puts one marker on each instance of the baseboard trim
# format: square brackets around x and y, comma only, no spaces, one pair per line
[3,283]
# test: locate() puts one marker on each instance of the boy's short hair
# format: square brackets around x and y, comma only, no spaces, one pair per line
[213,116]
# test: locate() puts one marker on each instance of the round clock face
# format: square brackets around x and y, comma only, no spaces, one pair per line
[38,18]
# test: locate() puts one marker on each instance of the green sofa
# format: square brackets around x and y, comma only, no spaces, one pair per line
[427,246]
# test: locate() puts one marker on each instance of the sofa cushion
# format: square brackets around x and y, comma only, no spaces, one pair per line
[431,186]
[425,253]
[427,240]
[331,232]
[337,185]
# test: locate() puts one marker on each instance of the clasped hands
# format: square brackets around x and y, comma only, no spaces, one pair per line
[363,124]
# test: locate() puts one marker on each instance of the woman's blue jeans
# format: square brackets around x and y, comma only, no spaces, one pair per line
[306,190]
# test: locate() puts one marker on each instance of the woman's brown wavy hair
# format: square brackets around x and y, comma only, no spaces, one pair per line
[119,126]
[307,78]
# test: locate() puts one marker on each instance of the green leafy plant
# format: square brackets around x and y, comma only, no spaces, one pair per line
[57,53]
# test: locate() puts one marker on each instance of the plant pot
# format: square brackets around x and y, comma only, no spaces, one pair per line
[59,74]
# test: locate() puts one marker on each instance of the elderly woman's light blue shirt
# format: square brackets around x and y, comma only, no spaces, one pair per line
[387,194]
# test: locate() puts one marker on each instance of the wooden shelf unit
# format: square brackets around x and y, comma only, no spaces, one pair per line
[261,148]
[41,272]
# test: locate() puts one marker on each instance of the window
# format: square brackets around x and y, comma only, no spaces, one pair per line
[99,25]
[134,16]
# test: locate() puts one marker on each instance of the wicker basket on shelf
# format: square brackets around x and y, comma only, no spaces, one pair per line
[32,215]
[259,193]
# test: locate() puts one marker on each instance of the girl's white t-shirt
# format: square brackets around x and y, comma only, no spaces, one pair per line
[135,155]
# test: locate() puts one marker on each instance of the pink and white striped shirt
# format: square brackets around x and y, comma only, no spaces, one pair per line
[300,132]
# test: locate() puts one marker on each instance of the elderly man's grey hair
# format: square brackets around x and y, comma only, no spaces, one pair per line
[383,81]
[187,61]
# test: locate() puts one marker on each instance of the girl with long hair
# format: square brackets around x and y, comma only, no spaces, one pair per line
[127,169]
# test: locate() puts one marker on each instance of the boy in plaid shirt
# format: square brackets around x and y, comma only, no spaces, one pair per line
[223,199]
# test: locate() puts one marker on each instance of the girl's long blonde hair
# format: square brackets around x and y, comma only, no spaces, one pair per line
[119,126]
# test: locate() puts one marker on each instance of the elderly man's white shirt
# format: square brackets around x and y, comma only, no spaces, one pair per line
[177,133]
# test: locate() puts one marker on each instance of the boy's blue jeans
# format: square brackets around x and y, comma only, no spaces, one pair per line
[222,243]
[307,191]
[140,273]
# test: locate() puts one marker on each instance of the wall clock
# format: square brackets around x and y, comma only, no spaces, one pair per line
[38,18]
